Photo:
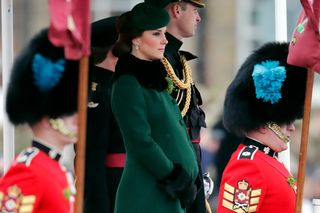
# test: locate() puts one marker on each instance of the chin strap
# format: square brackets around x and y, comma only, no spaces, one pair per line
[59,125]
[277,130]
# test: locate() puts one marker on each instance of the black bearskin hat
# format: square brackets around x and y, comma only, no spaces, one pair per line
[104,32]
[265,89]
[42,83]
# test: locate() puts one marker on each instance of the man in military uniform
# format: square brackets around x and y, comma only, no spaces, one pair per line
[261,104]
[184,18]
[105,152]
[41,81]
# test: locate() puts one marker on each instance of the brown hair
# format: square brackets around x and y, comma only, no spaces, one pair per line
[98,54]
[126,34]
[183,5]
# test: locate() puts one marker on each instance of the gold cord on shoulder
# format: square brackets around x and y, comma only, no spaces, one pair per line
[186,73]
[187,104]
[184,84]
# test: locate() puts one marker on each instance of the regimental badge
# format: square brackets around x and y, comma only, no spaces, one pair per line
[94,86]
[266,150]
[241,199]
[293,183]
[92,104]
[15,201]
[70,191]
[27,155]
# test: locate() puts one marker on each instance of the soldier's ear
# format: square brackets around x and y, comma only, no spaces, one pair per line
[43,123]
[175,10]
[263,129]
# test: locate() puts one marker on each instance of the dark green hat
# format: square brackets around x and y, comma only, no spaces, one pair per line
[104,32]
[164,3]
[145,16]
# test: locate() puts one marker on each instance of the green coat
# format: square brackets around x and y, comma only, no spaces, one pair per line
[155,137]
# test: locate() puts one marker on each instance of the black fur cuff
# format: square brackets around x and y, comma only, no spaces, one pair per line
[178,184]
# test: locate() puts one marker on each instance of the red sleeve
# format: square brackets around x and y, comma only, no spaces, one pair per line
[242,188]
[20,190]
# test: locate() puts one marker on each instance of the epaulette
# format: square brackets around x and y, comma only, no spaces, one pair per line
[27,155]
[247,152]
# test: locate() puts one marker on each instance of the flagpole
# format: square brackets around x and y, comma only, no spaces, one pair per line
[72,18]
[81,145]
[7,59]
[304,141]
[281,35]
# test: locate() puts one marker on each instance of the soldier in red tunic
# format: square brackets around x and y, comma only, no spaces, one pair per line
[42,93]
[261,104]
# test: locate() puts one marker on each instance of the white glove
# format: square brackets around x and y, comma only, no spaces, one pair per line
[207,184]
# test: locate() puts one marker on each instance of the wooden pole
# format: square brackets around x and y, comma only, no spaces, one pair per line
[304,141]
[81,145]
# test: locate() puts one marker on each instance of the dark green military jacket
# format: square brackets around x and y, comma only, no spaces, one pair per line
[103,139]
[155,137]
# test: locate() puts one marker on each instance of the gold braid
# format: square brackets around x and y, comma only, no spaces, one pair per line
[187,104]
[174,77]
[183,84]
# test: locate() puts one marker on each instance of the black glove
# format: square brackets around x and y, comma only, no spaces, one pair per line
[178,184]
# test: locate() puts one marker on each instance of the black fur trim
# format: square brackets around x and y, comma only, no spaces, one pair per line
[150,74]
[25,103]
[178,184]
[244,112]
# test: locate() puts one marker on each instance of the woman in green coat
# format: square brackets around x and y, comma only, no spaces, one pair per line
[161,166]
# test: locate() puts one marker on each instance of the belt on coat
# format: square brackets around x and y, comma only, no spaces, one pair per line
[117,160]
[194,140]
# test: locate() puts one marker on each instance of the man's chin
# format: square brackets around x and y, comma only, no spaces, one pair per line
[189,35]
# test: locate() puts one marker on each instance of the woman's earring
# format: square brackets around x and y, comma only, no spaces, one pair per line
[136,46]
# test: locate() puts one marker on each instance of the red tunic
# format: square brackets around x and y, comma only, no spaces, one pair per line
[36,183]
[256,182]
